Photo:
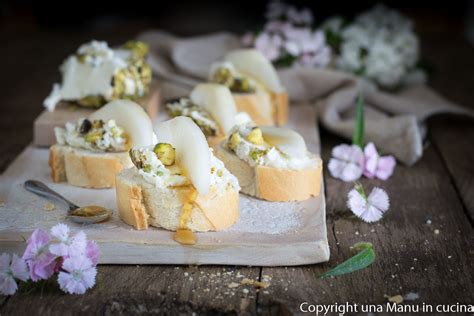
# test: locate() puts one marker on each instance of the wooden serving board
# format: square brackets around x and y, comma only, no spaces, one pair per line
[267,234]
[43,127]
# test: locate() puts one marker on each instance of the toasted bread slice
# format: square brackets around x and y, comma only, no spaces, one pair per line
[85,168]
[273,184]
[141,204]
[264,109]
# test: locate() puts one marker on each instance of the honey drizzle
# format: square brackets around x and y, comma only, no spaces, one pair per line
[183,234]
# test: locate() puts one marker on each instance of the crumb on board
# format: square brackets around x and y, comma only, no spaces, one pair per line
[436,231]
[49,207]
[395,299]
[233,285]
[257,284]
[2,202]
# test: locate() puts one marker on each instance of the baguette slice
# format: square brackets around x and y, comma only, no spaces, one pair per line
[273,184]
[141,204]
[265,109]
[85,168]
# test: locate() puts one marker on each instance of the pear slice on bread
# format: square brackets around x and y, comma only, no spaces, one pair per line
[255,86]
[211,107]
[276,167]
[83,164]
[205,197]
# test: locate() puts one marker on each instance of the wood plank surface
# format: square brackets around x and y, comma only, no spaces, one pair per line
[411,257]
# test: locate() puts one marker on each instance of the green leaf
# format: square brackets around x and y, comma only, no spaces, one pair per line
[360,261]
[358,136]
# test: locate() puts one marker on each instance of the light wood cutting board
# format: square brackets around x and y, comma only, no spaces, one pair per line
[268,233]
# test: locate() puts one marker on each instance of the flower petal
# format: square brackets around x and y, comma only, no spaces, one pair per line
[60,232]
[356,202]
[4,262]
[8,285]
[378,198]
[385,167]
[19,268]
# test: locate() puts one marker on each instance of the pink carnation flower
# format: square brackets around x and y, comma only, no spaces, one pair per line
[269,45]
[39,259]
[11,268]
[78,275]
[347,162]
[376,166]
[64,245]
[92,252]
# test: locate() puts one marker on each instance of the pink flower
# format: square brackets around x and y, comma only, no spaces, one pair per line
[369,209]
[269,45]
[11,268]
[92,252]
[247,39]
[65,246]
[78,275]
[302,17]
[347,162]
[376,166]
[39,259]
[275,10]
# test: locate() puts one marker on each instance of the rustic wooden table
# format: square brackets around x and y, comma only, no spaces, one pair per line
[411,256]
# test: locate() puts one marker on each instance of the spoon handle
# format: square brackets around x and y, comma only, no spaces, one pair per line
[43,190]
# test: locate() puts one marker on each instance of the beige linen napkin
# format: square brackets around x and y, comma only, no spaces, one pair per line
[394,121]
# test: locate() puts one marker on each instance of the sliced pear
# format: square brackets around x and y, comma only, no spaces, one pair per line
[254,64]
[192,152]
[131,117]
[287,140]
[218,101]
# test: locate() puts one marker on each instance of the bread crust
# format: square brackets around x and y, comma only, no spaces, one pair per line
[251,103]
[273,184]
[84,168]
[214,211]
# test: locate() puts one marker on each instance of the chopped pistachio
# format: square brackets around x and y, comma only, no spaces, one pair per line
[234,140]
[257,154]
[165,152]
[220,173]
[93,136]
[184,107]
[256,136]
[223,76]
[147,168]
[97,124]
[93,101]
[138,48]
[136,158]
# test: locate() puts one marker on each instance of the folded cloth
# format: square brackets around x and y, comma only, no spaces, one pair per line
[393,121]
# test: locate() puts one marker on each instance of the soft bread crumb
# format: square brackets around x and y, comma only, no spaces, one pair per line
[256,284]
[49,207]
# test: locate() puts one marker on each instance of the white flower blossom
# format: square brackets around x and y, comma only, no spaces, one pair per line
[370,209]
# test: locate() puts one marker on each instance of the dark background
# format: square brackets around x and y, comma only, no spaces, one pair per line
[192,17]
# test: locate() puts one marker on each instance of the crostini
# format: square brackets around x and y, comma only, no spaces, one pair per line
[271,163]
[92,151]
[212,108]
[178,184]
[97,74]
[255,86]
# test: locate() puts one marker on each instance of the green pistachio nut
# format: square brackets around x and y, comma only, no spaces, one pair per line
[138,48]
[256,136]
[223,76]
[165,152]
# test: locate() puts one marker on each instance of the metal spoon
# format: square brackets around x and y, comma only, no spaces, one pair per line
[82,215]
